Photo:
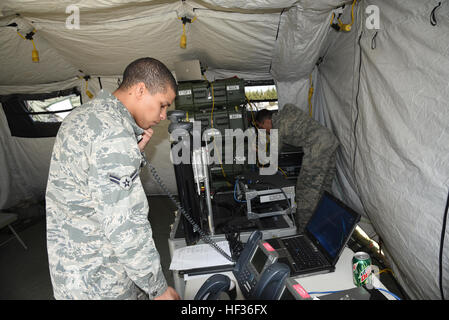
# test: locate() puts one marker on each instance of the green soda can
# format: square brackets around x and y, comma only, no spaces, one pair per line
[361,269]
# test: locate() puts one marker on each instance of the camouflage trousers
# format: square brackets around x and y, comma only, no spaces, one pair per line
[316,176]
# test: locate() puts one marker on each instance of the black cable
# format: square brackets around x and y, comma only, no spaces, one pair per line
[277,35]
[232,234]
[206,238]
[357,104]
[279,24]
[443,231]
[433,20]
[373,41]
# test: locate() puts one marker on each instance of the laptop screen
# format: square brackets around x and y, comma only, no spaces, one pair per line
[332,224]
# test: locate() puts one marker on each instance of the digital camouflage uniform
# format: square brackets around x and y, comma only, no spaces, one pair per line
[318,169]
[99,239]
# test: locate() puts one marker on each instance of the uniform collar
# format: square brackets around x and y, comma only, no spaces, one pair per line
[103,94]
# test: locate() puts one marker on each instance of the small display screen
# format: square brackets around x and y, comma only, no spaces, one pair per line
[259,259]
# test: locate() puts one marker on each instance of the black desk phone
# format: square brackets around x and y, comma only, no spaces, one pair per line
[259,275]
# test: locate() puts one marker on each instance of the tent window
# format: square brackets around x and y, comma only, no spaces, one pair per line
[53,109]
[262,95]
[39,115]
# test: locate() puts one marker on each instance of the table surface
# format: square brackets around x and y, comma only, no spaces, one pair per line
[340,279]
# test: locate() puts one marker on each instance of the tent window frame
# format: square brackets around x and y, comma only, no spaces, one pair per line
[19,117]
[50,112]
[252,105]
[257,83]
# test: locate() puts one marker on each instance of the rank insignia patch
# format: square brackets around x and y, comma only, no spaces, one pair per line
[125,182]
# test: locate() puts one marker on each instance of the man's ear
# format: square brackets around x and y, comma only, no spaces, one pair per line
[139,90]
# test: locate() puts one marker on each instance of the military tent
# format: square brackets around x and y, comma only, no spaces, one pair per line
[381,86]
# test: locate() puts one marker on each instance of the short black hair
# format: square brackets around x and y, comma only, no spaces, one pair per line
[153,73]
[263,115]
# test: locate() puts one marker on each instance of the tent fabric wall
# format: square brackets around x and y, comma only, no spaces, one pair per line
[402,153]
[24,162]
[397,107]
[215,43]
[332,104]
[24,165]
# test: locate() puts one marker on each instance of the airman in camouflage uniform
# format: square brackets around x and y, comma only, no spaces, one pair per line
[99,239]
[318,168]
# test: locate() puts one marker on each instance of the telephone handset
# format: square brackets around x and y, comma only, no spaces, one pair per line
[257,272]
[271,282]
[215,288]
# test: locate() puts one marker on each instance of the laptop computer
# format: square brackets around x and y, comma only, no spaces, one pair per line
[326,234]
[188,70]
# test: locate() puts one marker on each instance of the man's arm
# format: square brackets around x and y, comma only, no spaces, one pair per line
[123,211]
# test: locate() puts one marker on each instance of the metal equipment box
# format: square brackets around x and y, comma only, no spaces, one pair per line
[199,95]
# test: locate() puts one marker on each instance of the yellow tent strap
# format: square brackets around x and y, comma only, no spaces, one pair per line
[352,13]
[384,270]
[34,46]
[282,171]
[310,95]
[34,53]
[345,27]
[88,93]
[253,119]
[183,41]
[213,101]
[21,35]
[212,125]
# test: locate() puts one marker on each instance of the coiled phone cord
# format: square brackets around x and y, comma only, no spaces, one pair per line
[205,237]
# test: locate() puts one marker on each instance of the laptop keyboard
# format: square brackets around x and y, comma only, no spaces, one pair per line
[305,255]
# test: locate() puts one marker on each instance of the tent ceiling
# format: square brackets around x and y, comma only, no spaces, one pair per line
[236,36]
[45,7]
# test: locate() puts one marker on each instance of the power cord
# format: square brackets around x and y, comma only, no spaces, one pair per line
[433,19]
[443,231]
[235,244]
[235,195]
